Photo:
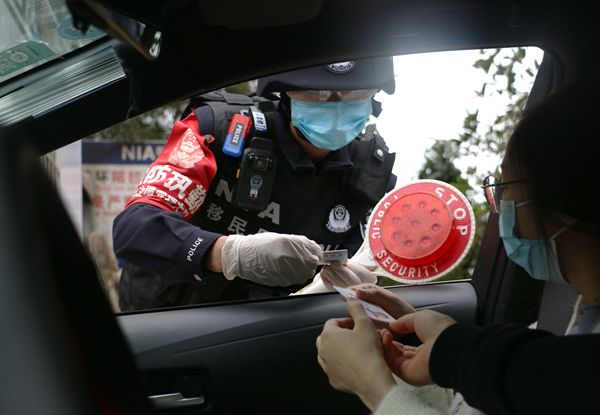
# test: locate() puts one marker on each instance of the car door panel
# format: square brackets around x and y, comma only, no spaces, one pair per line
[259,356]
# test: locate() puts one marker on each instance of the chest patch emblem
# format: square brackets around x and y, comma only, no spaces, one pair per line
[339,219]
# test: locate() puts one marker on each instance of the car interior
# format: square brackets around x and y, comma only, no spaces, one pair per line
[64,351]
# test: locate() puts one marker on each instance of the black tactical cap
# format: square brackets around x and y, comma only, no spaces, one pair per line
[374,73]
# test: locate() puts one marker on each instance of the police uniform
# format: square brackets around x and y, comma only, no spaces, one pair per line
[321,202]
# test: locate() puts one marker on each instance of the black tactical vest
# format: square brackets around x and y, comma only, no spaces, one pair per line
[302,202]
[324,206]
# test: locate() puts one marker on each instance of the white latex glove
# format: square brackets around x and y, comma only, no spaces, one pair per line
[345,276]
[270,258]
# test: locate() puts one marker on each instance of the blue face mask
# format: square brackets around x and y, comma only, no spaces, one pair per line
[531,255]
[331,125]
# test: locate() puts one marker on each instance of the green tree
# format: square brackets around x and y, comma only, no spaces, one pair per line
[153,125]
[509,78]
[157,124]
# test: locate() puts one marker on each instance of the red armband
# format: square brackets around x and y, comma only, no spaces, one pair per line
[180,177]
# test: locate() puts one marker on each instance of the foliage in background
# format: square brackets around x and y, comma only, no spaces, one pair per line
[153,125]
[157,124]
[510,78]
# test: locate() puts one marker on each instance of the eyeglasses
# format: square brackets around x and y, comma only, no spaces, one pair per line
[323,96]
[492,188]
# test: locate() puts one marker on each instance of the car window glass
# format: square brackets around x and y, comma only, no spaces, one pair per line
[447,120]
[35,32]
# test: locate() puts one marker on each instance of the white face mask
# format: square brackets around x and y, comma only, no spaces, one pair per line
[531,255]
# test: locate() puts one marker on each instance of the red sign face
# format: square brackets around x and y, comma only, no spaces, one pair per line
[421,231]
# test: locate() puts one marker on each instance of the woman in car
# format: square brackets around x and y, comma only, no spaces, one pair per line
[549,225]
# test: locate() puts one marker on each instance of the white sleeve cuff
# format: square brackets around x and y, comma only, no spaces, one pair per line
[410,400]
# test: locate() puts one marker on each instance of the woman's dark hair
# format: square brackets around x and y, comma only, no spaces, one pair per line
[556,148]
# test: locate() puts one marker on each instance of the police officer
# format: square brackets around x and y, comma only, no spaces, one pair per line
[184,240]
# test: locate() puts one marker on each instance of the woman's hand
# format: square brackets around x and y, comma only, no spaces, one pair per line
[350,353]
[345,275]
[409,363]
[385,299]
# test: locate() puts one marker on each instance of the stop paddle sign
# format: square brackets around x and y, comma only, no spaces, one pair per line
[418,232]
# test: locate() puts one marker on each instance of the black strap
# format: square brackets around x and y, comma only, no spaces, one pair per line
[369,132]
[236,99]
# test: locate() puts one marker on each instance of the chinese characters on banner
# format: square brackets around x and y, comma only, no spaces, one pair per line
[116,169]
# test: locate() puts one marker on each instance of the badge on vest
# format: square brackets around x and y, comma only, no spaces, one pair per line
[339,219]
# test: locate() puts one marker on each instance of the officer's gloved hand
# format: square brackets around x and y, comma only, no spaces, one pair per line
[270,258]
[345,276]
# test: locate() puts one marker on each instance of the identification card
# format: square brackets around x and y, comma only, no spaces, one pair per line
[373,311]
[340,255]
